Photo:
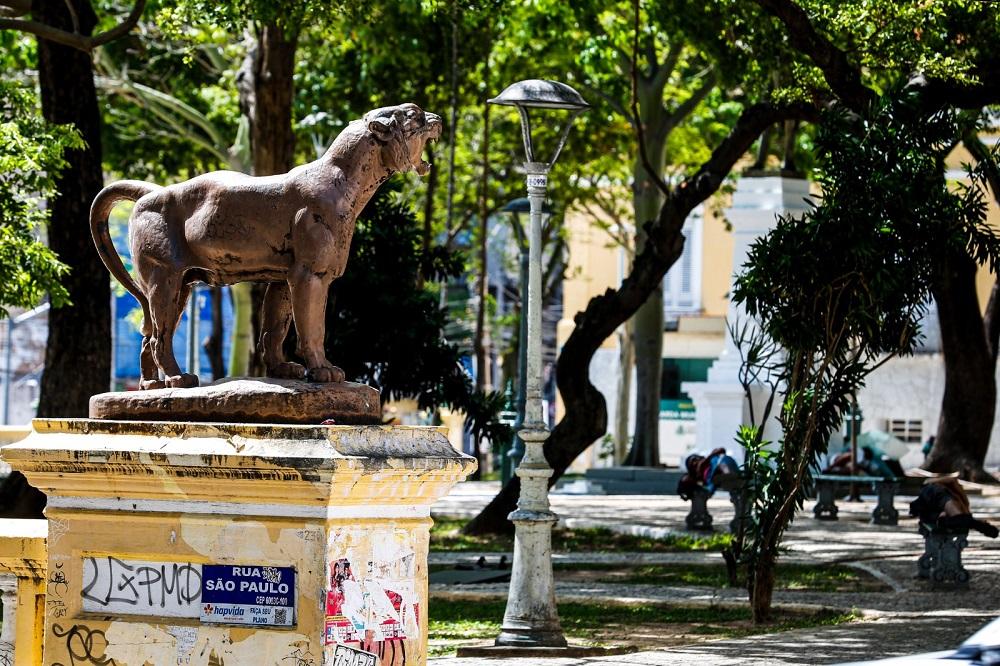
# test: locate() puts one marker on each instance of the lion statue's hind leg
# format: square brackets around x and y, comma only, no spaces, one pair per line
[277,318]
[150,371]
[167,298]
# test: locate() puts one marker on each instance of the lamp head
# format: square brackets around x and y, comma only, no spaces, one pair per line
[541,94]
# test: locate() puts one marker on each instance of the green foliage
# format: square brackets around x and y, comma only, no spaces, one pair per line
[457,621]
[842,288]
[383,330]
[31,155]
[178,15]
[172,113]
[792,576]
[887,40]
[875,242]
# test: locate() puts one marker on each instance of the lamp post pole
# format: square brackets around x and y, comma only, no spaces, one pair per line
[531,618]
[517,450]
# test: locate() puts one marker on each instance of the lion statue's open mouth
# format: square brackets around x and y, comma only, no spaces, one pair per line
[431,132]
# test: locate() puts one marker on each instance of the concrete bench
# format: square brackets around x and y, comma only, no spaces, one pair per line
[941,562]
[700,520]
[826,492]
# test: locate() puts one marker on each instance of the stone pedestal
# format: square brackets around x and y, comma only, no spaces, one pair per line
[196,543]
[22,590]
[720,402]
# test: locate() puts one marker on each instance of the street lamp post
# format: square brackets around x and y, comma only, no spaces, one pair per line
[516,450]
[531,618]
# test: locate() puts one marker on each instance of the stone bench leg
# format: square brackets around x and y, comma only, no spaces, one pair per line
[699,519]
[949,569]
[941,562]
[926,562]
[826,507]
[885,513]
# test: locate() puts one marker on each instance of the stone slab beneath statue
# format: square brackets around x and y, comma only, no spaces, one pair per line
[246,400]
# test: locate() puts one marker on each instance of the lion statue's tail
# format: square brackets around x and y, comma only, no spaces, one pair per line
[123,190]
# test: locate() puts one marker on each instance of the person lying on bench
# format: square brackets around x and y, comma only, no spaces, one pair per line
[717,469]
[872,463]
[943,503]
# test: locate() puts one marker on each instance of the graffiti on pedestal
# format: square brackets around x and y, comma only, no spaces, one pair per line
[83,645]
[137,587]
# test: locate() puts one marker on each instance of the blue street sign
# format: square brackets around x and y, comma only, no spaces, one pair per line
[248,594]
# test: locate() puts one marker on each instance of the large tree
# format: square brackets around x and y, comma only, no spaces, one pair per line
[824,74]
[949,61]
[839,291]
[669,80]
[78,350]
[969,340]
[677,105]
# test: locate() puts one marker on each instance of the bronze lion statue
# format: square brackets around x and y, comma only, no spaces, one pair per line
[292,231]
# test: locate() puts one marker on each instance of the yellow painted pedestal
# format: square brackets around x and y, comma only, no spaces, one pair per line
[148,520]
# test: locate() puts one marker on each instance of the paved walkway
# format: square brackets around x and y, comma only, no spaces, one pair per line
[909,619]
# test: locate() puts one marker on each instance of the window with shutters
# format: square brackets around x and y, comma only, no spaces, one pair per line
[907,430]
[682,283]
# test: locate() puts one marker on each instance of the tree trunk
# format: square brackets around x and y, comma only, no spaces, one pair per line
[479,342]
[266,89]
[241,349]
[967,409]
[647,332]
[623,411]
[586,417]
[271,67]
[991,322]
[78,350]
[452,125]
[255,354]
[425,239]
[761,584]
[647,326]
[213,343]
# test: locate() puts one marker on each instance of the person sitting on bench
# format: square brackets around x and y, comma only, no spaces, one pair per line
[942,503]
[717,469]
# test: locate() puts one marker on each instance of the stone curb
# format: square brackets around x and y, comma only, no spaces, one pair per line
[481,595]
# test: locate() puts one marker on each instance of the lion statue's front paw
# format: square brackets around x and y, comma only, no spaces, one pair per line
[183,380]
[325,375]
[287,370]
[151,384]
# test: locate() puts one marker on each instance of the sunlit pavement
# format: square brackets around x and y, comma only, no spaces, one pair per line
[909,619]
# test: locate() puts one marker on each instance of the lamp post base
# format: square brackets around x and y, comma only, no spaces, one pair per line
[528,638]
[531,618]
